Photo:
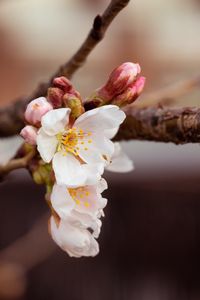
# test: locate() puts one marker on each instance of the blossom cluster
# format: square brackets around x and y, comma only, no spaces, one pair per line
[77,146]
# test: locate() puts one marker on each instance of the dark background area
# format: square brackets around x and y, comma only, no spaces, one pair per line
[149,243]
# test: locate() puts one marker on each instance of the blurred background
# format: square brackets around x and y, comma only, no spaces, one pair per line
[150,240]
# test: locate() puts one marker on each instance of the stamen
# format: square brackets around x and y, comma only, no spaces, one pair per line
[68,141]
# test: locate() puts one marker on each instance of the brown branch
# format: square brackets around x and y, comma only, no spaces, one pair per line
[17,163]
[11,117]
[160,124]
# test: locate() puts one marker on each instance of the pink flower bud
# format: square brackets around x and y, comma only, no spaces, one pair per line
[131,93]
[119,80]
[36,109]
[139,84]
[29,133]
[55,96]
[63,83]
[65,86]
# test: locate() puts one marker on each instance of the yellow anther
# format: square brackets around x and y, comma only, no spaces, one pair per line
[89,141]
[85,148]
[86,204]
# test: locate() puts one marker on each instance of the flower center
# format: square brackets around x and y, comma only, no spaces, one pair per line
[80,195]
[72,140]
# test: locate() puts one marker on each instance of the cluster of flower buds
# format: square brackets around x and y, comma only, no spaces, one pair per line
[74,149]
[63,94]
[122,88]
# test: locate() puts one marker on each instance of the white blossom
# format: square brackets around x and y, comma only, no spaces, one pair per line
[78,151]
[82,200]
[120,161]
[74,240]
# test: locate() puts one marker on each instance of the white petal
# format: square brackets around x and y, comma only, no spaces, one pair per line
[100,119]
[55,120]
[9,147]
[88,201]
[120,161]
[46,145]
[93,172]
[61,201]
[95,152]
[85,221]
[75,241]
[89,153]
[110,133]
[104,145]
[68,170]
[102,185]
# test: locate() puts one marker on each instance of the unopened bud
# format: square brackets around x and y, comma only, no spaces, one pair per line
[131,93]
[63,83]
[75,104]
[55,96]
[119,80]
[36,109]
[42,174]
[29,133]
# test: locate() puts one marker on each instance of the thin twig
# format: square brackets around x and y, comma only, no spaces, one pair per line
[11,117]
[17,163]
[169,94]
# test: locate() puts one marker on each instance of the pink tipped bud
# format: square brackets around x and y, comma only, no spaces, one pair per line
[29,133]
[131,93]
[55,97]
[63,83]
[139,84]
[119,80]
[36,109]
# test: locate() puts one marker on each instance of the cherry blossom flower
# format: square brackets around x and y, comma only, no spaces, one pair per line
[81,200]
[79,210]
[78,151]
[74,240]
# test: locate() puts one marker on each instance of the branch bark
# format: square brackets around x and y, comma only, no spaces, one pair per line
[179,126]
[11,117]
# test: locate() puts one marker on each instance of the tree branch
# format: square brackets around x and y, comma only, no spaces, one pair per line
[11,117]
[160,124]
